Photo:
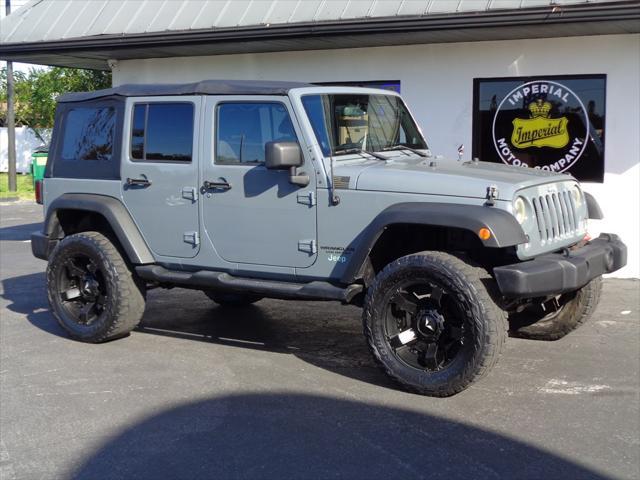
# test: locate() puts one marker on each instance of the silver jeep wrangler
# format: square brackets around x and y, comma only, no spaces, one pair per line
[247,190]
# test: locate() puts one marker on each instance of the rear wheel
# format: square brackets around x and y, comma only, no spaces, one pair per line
[232,299]
[432,323]
[555,318]
[92,292]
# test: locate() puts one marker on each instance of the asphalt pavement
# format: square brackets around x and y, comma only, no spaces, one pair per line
[288,390]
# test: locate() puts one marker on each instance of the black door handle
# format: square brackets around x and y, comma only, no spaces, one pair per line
[222,184]
[138,182]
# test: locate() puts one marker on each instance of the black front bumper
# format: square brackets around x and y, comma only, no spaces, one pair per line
[558,273]
[42,245]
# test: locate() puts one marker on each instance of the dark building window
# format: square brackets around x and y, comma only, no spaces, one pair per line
[243,129]
[393,85]
[162,132]
[554,123]
[88,134]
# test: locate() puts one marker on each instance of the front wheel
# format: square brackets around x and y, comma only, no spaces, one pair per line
[92,291]
[556,317]
[432,323]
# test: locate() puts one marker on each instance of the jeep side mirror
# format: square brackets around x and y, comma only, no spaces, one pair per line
[283,156]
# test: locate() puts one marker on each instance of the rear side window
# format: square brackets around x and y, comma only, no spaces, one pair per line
[89,133]
[162,132]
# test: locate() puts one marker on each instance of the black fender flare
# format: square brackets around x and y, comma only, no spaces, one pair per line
[505,229]
[112,210]
[593,209]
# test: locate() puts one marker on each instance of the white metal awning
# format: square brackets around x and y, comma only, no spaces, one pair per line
[87,33]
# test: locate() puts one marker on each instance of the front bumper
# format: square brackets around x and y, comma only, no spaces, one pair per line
[557,273]
[42,245]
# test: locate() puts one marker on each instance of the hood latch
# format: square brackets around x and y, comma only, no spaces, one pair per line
[492,195]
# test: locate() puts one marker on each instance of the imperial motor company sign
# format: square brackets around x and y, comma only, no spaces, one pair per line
[556,120]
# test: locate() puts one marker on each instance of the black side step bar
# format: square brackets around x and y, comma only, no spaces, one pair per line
[268,288]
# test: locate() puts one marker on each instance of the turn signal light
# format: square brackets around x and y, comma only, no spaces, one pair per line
[484,233]
[38,188]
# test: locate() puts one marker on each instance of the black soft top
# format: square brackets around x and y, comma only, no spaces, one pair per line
[206,87]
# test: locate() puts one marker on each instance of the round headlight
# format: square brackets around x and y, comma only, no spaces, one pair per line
[577,195]
[520,209]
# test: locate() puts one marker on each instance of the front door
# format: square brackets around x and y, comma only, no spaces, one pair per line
[160,172]
[253,215]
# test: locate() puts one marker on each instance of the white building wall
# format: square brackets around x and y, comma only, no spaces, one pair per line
[26,143]
[437,84]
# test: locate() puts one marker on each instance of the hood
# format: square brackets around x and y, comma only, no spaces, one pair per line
[447,177]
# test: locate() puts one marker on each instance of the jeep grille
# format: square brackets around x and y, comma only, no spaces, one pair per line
[556,220]
[555,215]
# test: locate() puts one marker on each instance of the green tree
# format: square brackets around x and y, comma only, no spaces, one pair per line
[37,90]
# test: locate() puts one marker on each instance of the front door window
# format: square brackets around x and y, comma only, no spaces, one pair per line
[245,128]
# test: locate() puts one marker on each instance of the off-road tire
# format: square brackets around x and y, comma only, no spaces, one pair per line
[125,299]
[476,292]
[576,309]
[232,299]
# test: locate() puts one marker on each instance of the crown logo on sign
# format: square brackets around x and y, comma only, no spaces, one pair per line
[539,108]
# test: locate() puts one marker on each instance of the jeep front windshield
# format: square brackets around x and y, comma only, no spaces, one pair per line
[351,123]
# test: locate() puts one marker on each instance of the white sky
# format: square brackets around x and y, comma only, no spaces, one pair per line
[15,5]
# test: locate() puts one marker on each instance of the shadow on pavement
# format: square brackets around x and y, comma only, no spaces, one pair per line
[19,232]
[303,436]
[332,341]
[28,296]
[324,334]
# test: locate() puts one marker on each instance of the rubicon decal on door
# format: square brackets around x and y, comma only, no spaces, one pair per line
[541,115]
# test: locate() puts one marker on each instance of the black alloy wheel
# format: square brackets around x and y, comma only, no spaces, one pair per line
[82,289]
[93,292]
[432,322]
[424,325]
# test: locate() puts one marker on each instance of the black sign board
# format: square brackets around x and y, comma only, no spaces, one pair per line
[555,123]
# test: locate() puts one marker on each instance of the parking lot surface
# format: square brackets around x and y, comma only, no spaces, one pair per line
[288,390]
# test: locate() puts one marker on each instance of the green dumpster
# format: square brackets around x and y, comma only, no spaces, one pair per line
[38,164]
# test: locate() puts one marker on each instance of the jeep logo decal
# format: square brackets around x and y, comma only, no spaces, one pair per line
[545,119]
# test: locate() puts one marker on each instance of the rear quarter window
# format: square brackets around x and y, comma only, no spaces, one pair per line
[89,134]
[86,140]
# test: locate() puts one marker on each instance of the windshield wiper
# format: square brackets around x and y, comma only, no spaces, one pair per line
[404,147]
[360,151]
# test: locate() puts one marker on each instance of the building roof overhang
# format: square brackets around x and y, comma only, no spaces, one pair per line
[618,17]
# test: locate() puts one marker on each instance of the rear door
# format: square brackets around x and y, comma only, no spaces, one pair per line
[160,172]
